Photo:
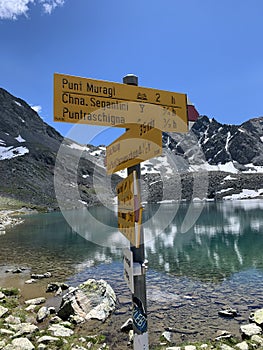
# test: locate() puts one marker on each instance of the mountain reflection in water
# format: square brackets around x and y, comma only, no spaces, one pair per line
[226,238]
[216,263]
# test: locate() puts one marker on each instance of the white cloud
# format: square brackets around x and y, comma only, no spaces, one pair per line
[37,108]
[50,5]
[11,9]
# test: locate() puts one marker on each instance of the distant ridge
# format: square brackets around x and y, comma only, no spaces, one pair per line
[28,151]
[229,156]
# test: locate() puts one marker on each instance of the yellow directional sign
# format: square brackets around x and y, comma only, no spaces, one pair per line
[129,209]
[139,143]
[97,102]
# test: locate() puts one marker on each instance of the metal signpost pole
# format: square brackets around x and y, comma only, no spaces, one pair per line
[139,313]
[89,101]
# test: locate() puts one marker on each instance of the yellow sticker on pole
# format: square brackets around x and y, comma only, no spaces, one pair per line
[130,209]
[141,142]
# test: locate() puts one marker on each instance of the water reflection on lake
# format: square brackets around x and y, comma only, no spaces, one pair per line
[226,238]
[217,262]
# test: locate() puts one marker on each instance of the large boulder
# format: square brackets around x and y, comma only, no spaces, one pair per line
[91,300]
[249,330]
[20,344]
[257,317]
[3,311]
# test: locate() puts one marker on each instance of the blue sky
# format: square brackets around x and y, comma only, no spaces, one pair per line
[210,50]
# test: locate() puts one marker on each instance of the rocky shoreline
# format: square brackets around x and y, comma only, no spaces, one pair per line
[34,324]
[102,335]
[7,219]
[12,217]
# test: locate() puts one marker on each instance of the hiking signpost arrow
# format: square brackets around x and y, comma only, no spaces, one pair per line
[136,145]
[97,102]
[145,113]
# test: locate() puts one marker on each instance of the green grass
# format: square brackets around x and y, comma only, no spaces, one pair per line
[7,203]
[10,291]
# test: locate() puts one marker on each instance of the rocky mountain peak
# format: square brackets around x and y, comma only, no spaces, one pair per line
[20,122]
[241,145]
[29,152]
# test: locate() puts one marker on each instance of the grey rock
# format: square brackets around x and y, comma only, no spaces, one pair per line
[190,347]
[32,280]
[228,312]
[167,336]
[22,344]
[55,319]
[103,346]
[60,331]
[75,319]
[14,327]
[250,329]
[2,344]
[4,331]
[47,274]
[66,324]
[3,311]
[91,300]
[223,334]
[257,317]
[36,301]
[24,329]
[225,347]
[46,339]
[82,340]
[242,346]
[31,307]
[127,326]
[257,339]
[131,335]
[41,346]
[52,310]
[17,270]
[43,313]
[55,286]
[59,291]
[12,319]
[37,276]
[52,287]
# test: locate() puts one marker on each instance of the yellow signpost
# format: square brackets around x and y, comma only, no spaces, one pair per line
[145,113]
[139,143]
[97,102]
[129,208]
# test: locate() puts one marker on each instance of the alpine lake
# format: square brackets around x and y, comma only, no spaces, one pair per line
[202,257]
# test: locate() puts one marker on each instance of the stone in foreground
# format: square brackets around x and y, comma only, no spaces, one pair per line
[60,331]
[250,329]
[91,300]
[36,301]
[20,344]
[257,317]
[46,339]
[3,311]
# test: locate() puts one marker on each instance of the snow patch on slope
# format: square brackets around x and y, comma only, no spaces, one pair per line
[20,139]
[12,152]
[245,194]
